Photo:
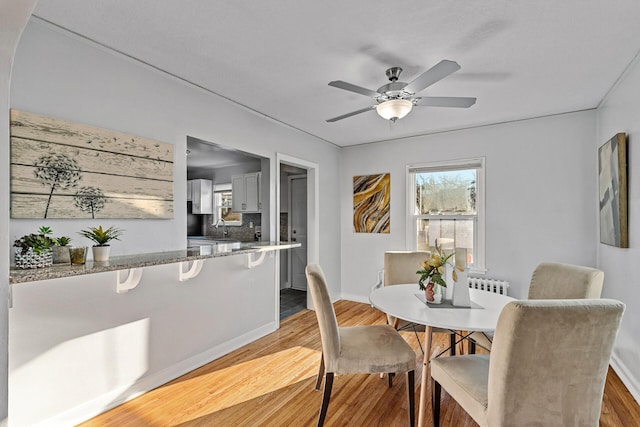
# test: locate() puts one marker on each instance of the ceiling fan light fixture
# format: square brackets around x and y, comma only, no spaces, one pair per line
[394,109]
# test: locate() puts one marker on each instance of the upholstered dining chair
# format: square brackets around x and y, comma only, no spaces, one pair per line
[357,349]
[547,367]
[552,280]
[400,268]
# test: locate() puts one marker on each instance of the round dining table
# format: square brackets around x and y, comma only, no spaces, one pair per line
[407,302]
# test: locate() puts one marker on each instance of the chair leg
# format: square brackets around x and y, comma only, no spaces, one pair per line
[435,402]
[415,331]
[320,373]
[390,375]
[452,344]
[328,384]
[472,346]
[411,391]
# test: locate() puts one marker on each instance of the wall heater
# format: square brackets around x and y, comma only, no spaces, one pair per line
[489,285]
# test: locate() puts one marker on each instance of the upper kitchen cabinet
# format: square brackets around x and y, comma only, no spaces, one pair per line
[246,192]
[201,196]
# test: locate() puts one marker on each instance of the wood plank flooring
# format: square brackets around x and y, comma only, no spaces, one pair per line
[270,382]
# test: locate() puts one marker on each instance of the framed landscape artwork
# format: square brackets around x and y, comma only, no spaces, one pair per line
[612,179]
[61,169]
[371,203]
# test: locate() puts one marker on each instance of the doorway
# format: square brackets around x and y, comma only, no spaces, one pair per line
[293,228]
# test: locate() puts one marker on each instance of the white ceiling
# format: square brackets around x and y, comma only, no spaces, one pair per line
[520,58]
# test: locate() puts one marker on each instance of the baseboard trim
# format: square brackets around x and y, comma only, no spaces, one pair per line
[120,395]
[356,298]
[625,377]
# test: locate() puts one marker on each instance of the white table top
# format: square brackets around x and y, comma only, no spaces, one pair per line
[400,301]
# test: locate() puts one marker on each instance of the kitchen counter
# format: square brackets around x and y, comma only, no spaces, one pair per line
[126,262]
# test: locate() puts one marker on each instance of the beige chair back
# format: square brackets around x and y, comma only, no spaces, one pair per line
[549,362]
[564,281]
[401,266]
[326,315]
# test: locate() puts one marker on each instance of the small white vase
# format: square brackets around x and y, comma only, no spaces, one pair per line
[461,290]
[101,253]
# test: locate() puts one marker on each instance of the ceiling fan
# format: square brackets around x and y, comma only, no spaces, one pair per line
[396,99]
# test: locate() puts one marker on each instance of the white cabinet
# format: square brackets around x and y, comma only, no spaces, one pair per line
[201,196]
[246,192]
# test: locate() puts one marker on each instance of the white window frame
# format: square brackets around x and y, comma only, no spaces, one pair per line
[478,163]
[217,208]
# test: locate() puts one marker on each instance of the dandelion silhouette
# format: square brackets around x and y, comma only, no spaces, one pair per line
[58,171]
[90,199]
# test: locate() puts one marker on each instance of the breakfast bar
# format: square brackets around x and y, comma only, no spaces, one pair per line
[194,254]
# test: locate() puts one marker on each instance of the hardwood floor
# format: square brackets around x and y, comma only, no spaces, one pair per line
[270,382]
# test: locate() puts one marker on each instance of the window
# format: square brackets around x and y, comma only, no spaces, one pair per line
[222,199]
[446,203]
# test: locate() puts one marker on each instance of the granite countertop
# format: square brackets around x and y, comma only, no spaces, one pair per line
[125,262]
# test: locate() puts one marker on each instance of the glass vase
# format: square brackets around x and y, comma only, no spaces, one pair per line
[433,293]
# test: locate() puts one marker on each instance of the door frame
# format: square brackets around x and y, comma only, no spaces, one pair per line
[313,214]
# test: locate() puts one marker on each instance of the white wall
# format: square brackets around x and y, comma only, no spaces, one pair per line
[621,113]
[540,194]
[12,22]
[162,326]
[59,75]
[77,347]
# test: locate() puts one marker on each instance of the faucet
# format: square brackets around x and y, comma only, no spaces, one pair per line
[225,232]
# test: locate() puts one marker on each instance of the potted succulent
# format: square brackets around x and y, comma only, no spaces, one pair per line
[101,237]
[61,254]
[34,250]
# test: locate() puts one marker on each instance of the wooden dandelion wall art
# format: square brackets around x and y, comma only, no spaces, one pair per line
[61,169]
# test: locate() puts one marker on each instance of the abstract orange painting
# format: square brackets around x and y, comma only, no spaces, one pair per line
[371,203]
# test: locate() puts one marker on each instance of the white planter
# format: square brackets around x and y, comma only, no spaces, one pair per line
[101,253]
[30,259]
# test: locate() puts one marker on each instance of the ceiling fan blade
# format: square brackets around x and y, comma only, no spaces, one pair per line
[353,113]
[354,88]
[438,72]
[445,101]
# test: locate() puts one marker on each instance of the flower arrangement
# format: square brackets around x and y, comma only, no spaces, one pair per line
[101,236]
[433,268]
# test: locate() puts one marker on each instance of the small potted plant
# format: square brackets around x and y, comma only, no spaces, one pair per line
[60,249]
[101,237]
[34,250]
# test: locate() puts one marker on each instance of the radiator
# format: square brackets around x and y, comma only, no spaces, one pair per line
[489,285]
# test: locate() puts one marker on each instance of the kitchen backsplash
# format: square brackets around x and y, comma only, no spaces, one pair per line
[243,233]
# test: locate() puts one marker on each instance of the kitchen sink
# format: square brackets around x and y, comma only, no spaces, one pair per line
[222,244]
[226,245]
